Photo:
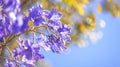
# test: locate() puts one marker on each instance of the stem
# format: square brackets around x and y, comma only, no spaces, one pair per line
[52,32]
[0,51]
[3,57]
[11,55]
[33,37]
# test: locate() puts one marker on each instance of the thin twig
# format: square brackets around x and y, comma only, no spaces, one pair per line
[11,55]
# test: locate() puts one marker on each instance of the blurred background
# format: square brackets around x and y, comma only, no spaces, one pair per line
[95,33]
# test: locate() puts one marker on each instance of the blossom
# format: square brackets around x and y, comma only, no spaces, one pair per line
[49,33]
[28,51]
[11,5]
[35,14]
[10,63]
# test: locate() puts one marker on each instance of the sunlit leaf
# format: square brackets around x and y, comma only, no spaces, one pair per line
[68,2]
[83,1]
[79,8]
[13,45]
[26,13]
[114,11]
[81,11]
[30,23]
[77,5]
[92,27]
[91,18]
[42,0]
[118,13]
[110,1]
[81,27]
[99,8]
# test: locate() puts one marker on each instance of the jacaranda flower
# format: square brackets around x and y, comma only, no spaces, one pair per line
[44,26]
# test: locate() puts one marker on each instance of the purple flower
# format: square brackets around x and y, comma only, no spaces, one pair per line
[56,44]
[35,14]
[11,5]
[28,51]
[10,63]
[64,32]
[35,11]
[53,14]
[13,22]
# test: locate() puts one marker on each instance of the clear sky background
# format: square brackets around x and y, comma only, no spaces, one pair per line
[104,53]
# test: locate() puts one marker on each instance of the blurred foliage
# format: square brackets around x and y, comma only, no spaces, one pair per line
[75,16]
[112,6]
[81,20]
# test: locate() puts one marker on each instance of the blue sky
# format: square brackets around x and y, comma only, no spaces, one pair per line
[104,53]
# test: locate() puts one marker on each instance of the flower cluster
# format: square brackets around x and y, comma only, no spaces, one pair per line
[28,52]
[49,33]
[11,20]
